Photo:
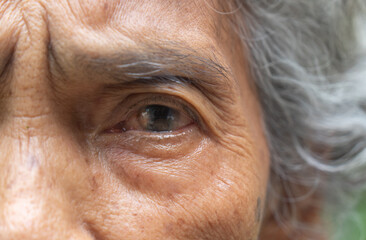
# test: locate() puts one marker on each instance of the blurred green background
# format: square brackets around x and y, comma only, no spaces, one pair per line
[351,225]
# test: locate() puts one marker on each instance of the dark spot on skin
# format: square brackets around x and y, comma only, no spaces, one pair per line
[169,228]
[94,184]
[10,184]
[170,196]
[181,221]
[32,162]
[258,210]
[172,226]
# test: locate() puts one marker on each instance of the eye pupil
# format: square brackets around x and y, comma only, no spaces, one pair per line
[158,118]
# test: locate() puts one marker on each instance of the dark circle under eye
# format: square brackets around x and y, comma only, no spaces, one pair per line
[158,118]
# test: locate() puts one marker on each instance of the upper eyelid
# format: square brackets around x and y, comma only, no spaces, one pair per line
[174,87]
[220,101]
[207,73]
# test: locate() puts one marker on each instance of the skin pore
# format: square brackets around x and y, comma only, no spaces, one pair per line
[83,86]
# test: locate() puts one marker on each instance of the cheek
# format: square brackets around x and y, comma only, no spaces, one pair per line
[209,194]
[224,207]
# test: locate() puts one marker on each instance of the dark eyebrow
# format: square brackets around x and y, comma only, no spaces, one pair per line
[147,65]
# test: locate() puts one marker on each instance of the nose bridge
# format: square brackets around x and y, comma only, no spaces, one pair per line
[28,107]
[29,78]
[37,166]
[21,132]
[22,201]
[34,202]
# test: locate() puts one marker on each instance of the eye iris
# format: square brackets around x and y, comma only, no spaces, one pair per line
[158,118]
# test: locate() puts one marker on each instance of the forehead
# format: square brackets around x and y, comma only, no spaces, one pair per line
[99,29]
[157,13]
[169,19]
[110,25]
[188,20]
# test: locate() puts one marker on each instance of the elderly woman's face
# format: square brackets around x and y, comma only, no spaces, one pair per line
[126,120]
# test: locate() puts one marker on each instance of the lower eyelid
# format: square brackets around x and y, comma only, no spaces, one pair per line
[153,145]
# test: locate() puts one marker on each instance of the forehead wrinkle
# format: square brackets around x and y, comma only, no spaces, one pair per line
[121,27]
[94,13]
[146,15]
[94,42]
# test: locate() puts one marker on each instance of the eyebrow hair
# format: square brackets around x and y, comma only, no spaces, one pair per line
[142,63]
[171,63]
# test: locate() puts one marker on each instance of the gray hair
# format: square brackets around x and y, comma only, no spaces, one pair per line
[310,74]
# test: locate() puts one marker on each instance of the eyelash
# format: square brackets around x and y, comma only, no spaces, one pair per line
[161,99]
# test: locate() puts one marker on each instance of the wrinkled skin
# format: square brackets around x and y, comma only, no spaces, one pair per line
[68,171]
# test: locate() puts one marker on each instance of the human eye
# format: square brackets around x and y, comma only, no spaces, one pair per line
[156,114]
[153,125]
[158,118]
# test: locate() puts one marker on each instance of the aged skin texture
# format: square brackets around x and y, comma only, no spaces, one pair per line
[130,119]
